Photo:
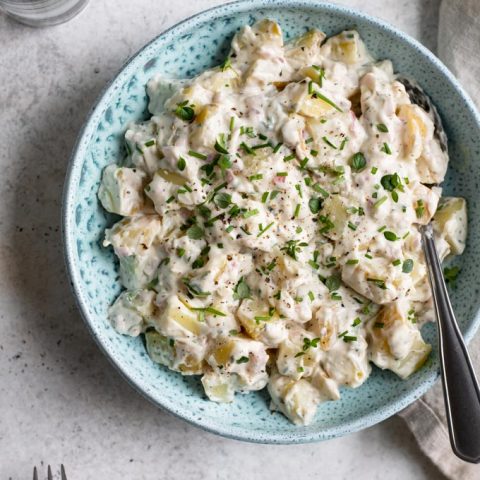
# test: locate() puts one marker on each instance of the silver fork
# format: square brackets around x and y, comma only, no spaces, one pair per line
[460,386]
[49,473]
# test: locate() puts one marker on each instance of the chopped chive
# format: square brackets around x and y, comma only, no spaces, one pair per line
[352,261]
[247,149]
[352,226]
[263,230]
[329,143]
[150,143]
[261,145]
[297,211]
[232,123]
[311,296]
[313,152]
[396,262]
[303,163]
[289,157]
[317,94]
[274,194]
[251,213]
[264,197]
[219,187]
[420,209]
[382,228]
[367,255]
[378,325]
[378,282]
[320,190]
[195,154]
[374,170]
[277,147]
[356,322]
[220,145]
[282,174]
[386,148]
[229,229]
[379,202]
[258,176]
[227,63]
[342,145]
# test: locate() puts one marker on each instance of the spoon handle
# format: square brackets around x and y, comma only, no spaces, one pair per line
[460,387]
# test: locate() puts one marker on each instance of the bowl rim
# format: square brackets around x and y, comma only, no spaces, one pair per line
[76,161]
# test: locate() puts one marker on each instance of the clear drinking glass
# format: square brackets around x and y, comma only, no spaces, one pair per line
[42,13]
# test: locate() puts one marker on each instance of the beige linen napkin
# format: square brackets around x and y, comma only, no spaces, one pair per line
[459,48]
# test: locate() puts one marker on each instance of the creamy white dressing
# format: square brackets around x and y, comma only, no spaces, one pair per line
[272,208]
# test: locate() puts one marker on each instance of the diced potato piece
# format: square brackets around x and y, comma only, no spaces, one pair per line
[376,279]
[305,50]
[181,355]
[136,243]
[347,363]
[178,320]
[146,157]
[420,145]
[326,325]
[255,318]
[335,211]
[159,90]
[296,399]
[327,387]
[219,387]
[395,342]
[245,358]
[160,349]
[171,177]
[210,123]
[424,201]
[295,360]
[315,107]
[130,310]
[347,47]
[269,28]
[263,33]
[121,190]
[163,185]
[450,223]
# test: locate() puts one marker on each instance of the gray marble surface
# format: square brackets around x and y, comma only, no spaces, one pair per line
[60,399]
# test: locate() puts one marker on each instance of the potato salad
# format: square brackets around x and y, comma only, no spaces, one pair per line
[272,208]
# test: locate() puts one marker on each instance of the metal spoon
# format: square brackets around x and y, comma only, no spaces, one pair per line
[460,386]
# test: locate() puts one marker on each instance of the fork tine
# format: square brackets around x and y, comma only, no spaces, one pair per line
[49,473]
[62,470]
[35,473]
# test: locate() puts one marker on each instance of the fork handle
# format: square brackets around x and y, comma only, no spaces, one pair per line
[460,386]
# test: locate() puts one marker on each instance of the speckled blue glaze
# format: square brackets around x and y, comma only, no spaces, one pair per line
[185,50]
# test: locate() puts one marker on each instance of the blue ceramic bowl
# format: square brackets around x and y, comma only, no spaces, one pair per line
[185,50]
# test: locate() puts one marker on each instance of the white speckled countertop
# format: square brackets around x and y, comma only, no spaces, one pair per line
[60,399]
